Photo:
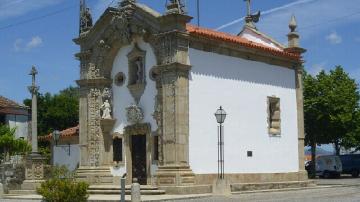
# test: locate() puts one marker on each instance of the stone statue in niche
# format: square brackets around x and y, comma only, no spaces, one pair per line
[140,70]
[106,110]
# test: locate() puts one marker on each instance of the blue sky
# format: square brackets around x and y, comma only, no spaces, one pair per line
[329,29]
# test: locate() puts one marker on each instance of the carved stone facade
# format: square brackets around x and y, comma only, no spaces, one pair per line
[99,46]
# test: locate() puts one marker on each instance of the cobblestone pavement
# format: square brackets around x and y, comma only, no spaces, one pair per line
[339,194]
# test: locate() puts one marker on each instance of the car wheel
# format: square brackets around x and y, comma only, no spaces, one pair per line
[326,174]
[355,173]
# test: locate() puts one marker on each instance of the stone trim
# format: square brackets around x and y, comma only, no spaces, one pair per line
[137,129]
[274,116]
[228,49]
[203,179]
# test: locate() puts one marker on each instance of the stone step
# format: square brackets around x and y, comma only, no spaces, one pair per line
[127,192]
[22,192]
[116,187]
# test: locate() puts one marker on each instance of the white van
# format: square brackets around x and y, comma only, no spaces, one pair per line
[328,166]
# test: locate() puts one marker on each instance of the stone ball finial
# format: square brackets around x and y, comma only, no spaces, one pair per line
[293,24]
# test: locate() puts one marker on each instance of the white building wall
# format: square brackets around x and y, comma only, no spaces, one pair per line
[20,122]
[242,88]
[61,156]
[122,97]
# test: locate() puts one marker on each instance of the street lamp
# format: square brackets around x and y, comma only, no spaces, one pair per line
[220,115]
[56,135]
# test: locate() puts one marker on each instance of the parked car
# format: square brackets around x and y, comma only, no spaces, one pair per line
[326,166]
[351,164]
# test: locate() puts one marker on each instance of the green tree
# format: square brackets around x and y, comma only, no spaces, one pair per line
[331,109]
[9,144]
[57,112]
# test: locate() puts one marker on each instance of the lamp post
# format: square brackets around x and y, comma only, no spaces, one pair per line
[220,115]
[56,136]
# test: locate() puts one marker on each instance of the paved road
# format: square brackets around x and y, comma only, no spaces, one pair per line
[343,194]
[349,193]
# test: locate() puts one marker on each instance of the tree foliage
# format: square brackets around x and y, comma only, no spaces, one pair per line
[331,107]
[57,112]
[9,144]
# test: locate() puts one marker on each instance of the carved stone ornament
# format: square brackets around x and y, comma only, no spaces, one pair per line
[134,114]
[93,72]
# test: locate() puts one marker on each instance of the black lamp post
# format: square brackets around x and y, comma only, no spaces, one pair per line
[56,136]
[220,115]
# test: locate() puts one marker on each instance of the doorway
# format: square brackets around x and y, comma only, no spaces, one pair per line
[138,155]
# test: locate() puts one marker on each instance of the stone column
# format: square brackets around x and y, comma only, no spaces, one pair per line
[34,168]
[294,47]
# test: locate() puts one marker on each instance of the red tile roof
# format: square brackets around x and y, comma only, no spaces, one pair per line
[221,36]
[7,103]
[70,132]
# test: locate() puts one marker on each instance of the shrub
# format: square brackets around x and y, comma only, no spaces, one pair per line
[62,187]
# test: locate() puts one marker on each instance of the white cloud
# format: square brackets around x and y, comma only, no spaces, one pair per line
[316,68]
[334,38]
[15,8]
[313,16]
[35,42]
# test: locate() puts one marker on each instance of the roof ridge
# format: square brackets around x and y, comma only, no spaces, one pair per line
[206,32]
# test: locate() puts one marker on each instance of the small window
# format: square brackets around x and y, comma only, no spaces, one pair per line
[2,119]
[156,148]
[117,149]
[119,79]
[274,116]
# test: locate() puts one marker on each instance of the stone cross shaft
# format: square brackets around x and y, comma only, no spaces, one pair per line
[33,90]
[248,7]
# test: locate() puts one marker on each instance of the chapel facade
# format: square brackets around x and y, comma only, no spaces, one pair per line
[150,84]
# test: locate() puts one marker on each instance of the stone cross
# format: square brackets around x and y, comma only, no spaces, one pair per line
[250,19]
[34,90]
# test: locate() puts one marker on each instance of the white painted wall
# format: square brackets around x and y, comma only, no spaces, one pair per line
[242,88]
[20,122]
[122,97]
[252,36]
[61,156]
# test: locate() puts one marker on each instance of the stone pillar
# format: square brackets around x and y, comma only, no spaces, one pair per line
[34,168]
[294,47]
[174,169]
[171,47]
[94,140]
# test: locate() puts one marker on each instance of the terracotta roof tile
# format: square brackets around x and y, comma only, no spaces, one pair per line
[70,132]
[221,36]
[7,103]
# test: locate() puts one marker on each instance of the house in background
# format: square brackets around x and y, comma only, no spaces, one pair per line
[15,115]
[66,150]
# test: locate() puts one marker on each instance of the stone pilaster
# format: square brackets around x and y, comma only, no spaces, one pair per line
[174,169]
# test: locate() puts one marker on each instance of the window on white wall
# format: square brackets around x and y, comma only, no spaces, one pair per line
[274,121]
[2,119]
[117,150]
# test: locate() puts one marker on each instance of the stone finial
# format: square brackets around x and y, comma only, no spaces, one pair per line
[293,24]
[176,6]
[294,38]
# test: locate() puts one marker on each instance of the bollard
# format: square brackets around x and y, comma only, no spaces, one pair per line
[122,184]
[1,191]
[135,191]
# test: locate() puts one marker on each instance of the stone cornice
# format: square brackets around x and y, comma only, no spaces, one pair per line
[94,82]
[175,66]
